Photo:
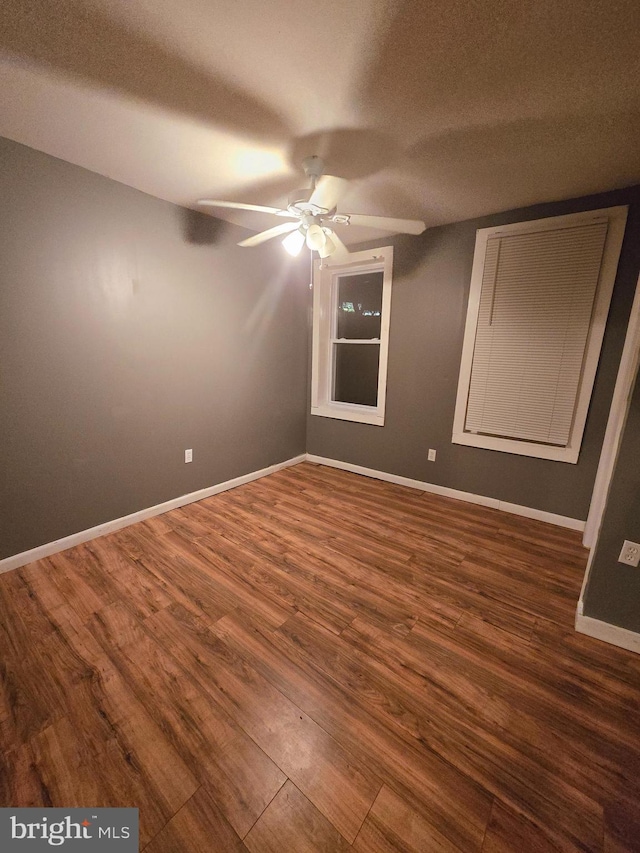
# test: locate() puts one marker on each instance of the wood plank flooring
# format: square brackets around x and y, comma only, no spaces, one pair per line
[321,662]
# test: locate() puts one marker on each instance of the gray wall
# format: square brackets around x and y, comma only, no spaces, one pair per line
[613,592]
[130,330]
[429,302]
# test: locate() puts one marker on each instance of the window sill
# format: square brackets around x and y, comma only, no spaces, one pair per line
[346,412]
[521,448]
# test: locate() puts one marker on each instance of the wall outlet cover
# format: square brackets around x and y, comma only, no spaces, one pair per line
[630,553]
[431,456]
[188,456]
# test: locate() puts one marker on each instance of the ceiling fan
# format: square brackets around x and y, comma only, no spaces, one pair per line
[315,217]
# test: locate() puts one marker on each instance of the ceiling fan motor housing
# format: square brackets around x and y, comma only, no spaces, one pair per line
[299,204]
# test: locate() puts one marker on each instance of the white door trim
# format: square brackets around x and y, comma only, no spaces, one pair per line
[617,419]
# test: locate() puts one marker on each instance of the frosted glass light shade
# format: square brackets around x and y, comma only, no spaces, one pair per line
[328,247]
[293,243]
[316,237]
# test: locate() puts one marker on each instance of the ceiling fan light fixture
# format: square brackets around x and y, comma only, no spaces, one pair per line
[329,246]
[293,243]
[316,238]
[310,209]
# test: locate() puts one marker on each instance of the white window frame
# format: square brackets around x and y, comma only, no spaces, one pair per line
[617,217]
[325,284]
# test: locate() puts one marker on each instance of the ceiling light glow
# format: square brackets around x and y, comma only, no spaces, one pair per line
[293,243]
[253,162]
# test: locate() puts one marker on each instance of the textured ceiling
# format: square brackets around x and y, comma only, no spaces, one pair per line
[435,109]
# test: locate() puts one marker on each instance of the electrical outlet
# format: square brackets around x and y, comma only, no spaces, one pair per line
[431,455]
[188,456]
[630,553]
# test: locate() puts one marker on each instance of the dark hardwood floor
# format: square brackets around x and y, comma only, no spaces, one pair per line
[317,661]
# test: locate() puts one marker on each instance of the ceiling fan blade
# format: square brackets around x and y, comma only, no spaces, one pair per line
[263,236]
[328,192]
[388,223]
[238,205]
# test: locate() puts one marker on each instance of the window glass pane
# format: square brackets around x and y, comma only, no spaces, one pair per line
[355,375]
[359,306]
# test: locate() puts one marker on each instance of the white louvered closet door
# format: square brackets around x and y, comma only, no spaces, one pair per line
[535,310]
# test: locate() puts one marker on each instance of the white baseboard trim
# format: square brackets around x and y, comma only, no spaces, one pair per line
[22,559]
[469,497]
[608,633]
[541,515]
[49,548]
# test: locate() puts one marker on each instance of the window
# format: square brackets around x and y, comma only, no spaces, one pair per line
[351,305]
[538,304]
